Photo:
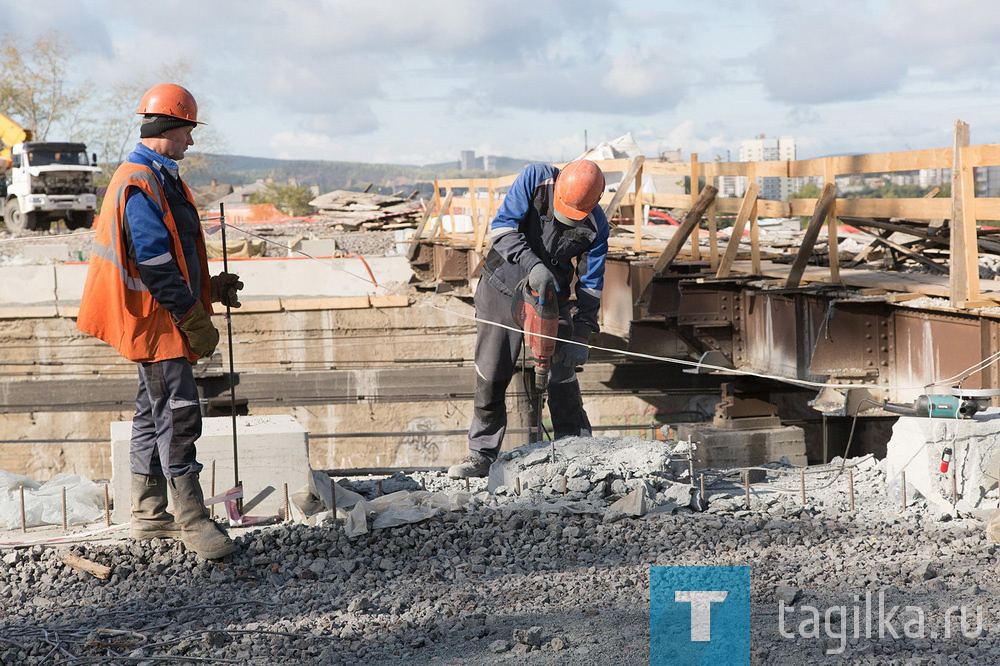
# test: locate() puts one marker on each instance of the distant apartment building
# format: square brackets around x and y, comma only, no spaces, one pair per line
[490,162]
[762,149]
[468,160]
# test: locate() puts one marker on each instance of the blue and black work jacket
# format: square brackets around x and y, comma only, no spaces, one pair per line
[525,232]
[149,241]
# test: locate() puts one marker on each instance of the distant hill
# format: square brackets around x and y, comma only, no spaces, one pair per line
[328,175]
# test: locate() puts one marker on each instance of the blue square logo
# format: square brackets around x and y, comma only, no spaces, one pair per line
[699,615]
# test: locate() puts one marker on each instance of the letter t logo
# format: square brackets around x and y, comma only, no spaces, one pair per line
[701,606]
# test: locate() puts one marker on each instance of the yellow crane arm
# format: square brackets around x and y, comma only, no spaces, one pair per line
[10,133]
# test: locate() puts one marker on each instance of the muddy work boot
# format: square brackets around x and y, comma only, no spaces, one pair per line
[474,466]
[150,519]
[198,531]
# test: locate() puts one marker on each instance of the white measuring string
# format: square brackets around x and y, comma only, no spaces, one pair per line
[649,357]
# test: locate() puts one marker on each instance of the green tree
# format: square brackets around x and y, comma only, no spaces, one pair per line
[289,199]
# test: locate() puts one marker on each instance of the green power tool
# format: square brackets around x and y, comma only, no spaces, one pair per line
[958,403]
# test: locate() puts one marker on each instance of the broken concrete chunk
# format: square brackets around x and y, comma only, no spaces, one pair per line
[924,572]
[532,636]
[578,484]
[497,647]
[635,503]
[787,594]
[681,494]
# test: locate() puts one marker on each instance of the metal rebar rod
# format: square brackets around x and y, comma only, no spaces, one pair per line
[850,483]
[902,486]
[24,520]
[64,507]
[232,372]
[802,477]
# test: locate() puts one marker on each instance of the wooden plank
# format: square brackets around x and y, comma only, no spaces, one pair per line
[749,204]
[633,168]
[765,208]
[754,227]
[713,230]
[827,197]
[655,167]
[637,216]
[663,200]
[682,232]
[830,176]
[695,176]
[917,209]
[474,212]
[907,160]
[964,276]
[445,207]
[919,258]
[415,245]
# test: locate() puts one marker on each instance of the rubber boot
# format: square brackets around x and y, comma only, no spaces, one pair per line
[198,531]
[150,519]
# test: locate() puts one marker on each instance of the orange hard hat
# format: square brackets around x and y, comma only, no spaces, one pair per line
[579,187]
[169,99]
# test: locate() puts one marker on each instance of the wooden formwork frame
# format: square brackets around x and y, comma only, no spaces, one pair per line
[483,196]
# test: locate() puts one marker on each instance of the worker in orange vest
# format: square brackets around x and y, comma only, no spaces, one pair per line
[149,295]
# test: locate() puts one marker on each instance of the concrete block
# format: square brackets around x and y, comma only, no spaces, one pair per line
[273,451]
[717,447]
[27,285]
[317,247]
[916,446]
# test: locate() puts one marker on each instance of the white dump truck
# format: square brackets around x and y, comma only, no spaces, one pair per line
[44,181]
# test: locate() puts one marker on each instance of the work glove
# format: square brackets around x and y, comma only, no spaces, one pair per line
[201,334]
[224,288]
[541,280]
[575,354]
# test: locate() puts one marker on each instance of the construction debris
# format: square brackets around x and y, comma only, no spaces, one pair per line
[364,210]
[86,566]
[554,579]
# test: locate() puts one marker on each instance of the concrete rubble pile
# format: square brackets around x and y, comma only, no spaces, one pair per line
[537,577]
[365,211]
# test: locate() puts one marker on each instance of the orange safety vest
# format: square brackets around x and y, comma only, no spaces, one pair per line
[116,306]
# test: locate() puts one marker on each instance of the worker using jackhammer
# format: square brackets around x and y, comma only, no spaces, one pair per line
[549,218]
[149,295]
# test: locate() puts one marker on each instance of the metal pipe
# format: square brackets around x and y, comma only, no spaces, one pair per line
[232,372]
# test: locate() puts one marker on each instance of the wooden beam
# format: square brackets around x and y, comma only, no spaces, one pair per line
[444,208]
[825,202]
[964,277]
[633,168]
[692,219]
[88,566]
[713,230]
[637,211]
[746,210]
[695,177]
[415,245]
[754,227]
[832,242]
[919,258]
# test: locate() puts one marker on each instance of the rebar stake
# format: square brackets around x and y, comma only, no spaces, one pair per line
[850,483]
[64,507]
[107,506]
[213,488]
[466,484]
[701,481]
[517,486]
[287,507]
[24,520]
[691,470]
[380,488]
[902,486]
[802,478]
[746,485]
[423,484]
[954,485]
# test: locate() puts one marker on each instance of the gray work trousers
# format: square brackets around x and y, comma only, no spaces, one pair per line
[167,420]
[496,359]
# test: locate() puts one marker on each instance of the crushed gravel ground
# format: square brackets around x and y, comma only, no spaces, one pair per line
[536,578]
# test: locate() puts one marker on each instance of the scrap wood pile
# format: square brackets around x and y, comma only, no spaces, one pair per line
[368,211]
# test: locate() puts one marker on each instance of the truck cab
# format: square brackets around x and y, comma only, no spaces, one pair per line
[48,181]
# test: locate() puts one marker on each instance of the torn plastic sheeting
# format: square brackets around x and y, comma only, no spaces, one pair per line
[356,520]
[396,516]
[315,499]
[43,502]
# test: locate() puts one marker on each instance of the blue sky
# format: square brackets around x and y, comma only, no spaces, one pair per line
[416,82]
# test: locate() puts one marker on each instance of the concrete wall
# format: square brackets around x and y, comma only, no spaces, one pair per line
[271,284]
